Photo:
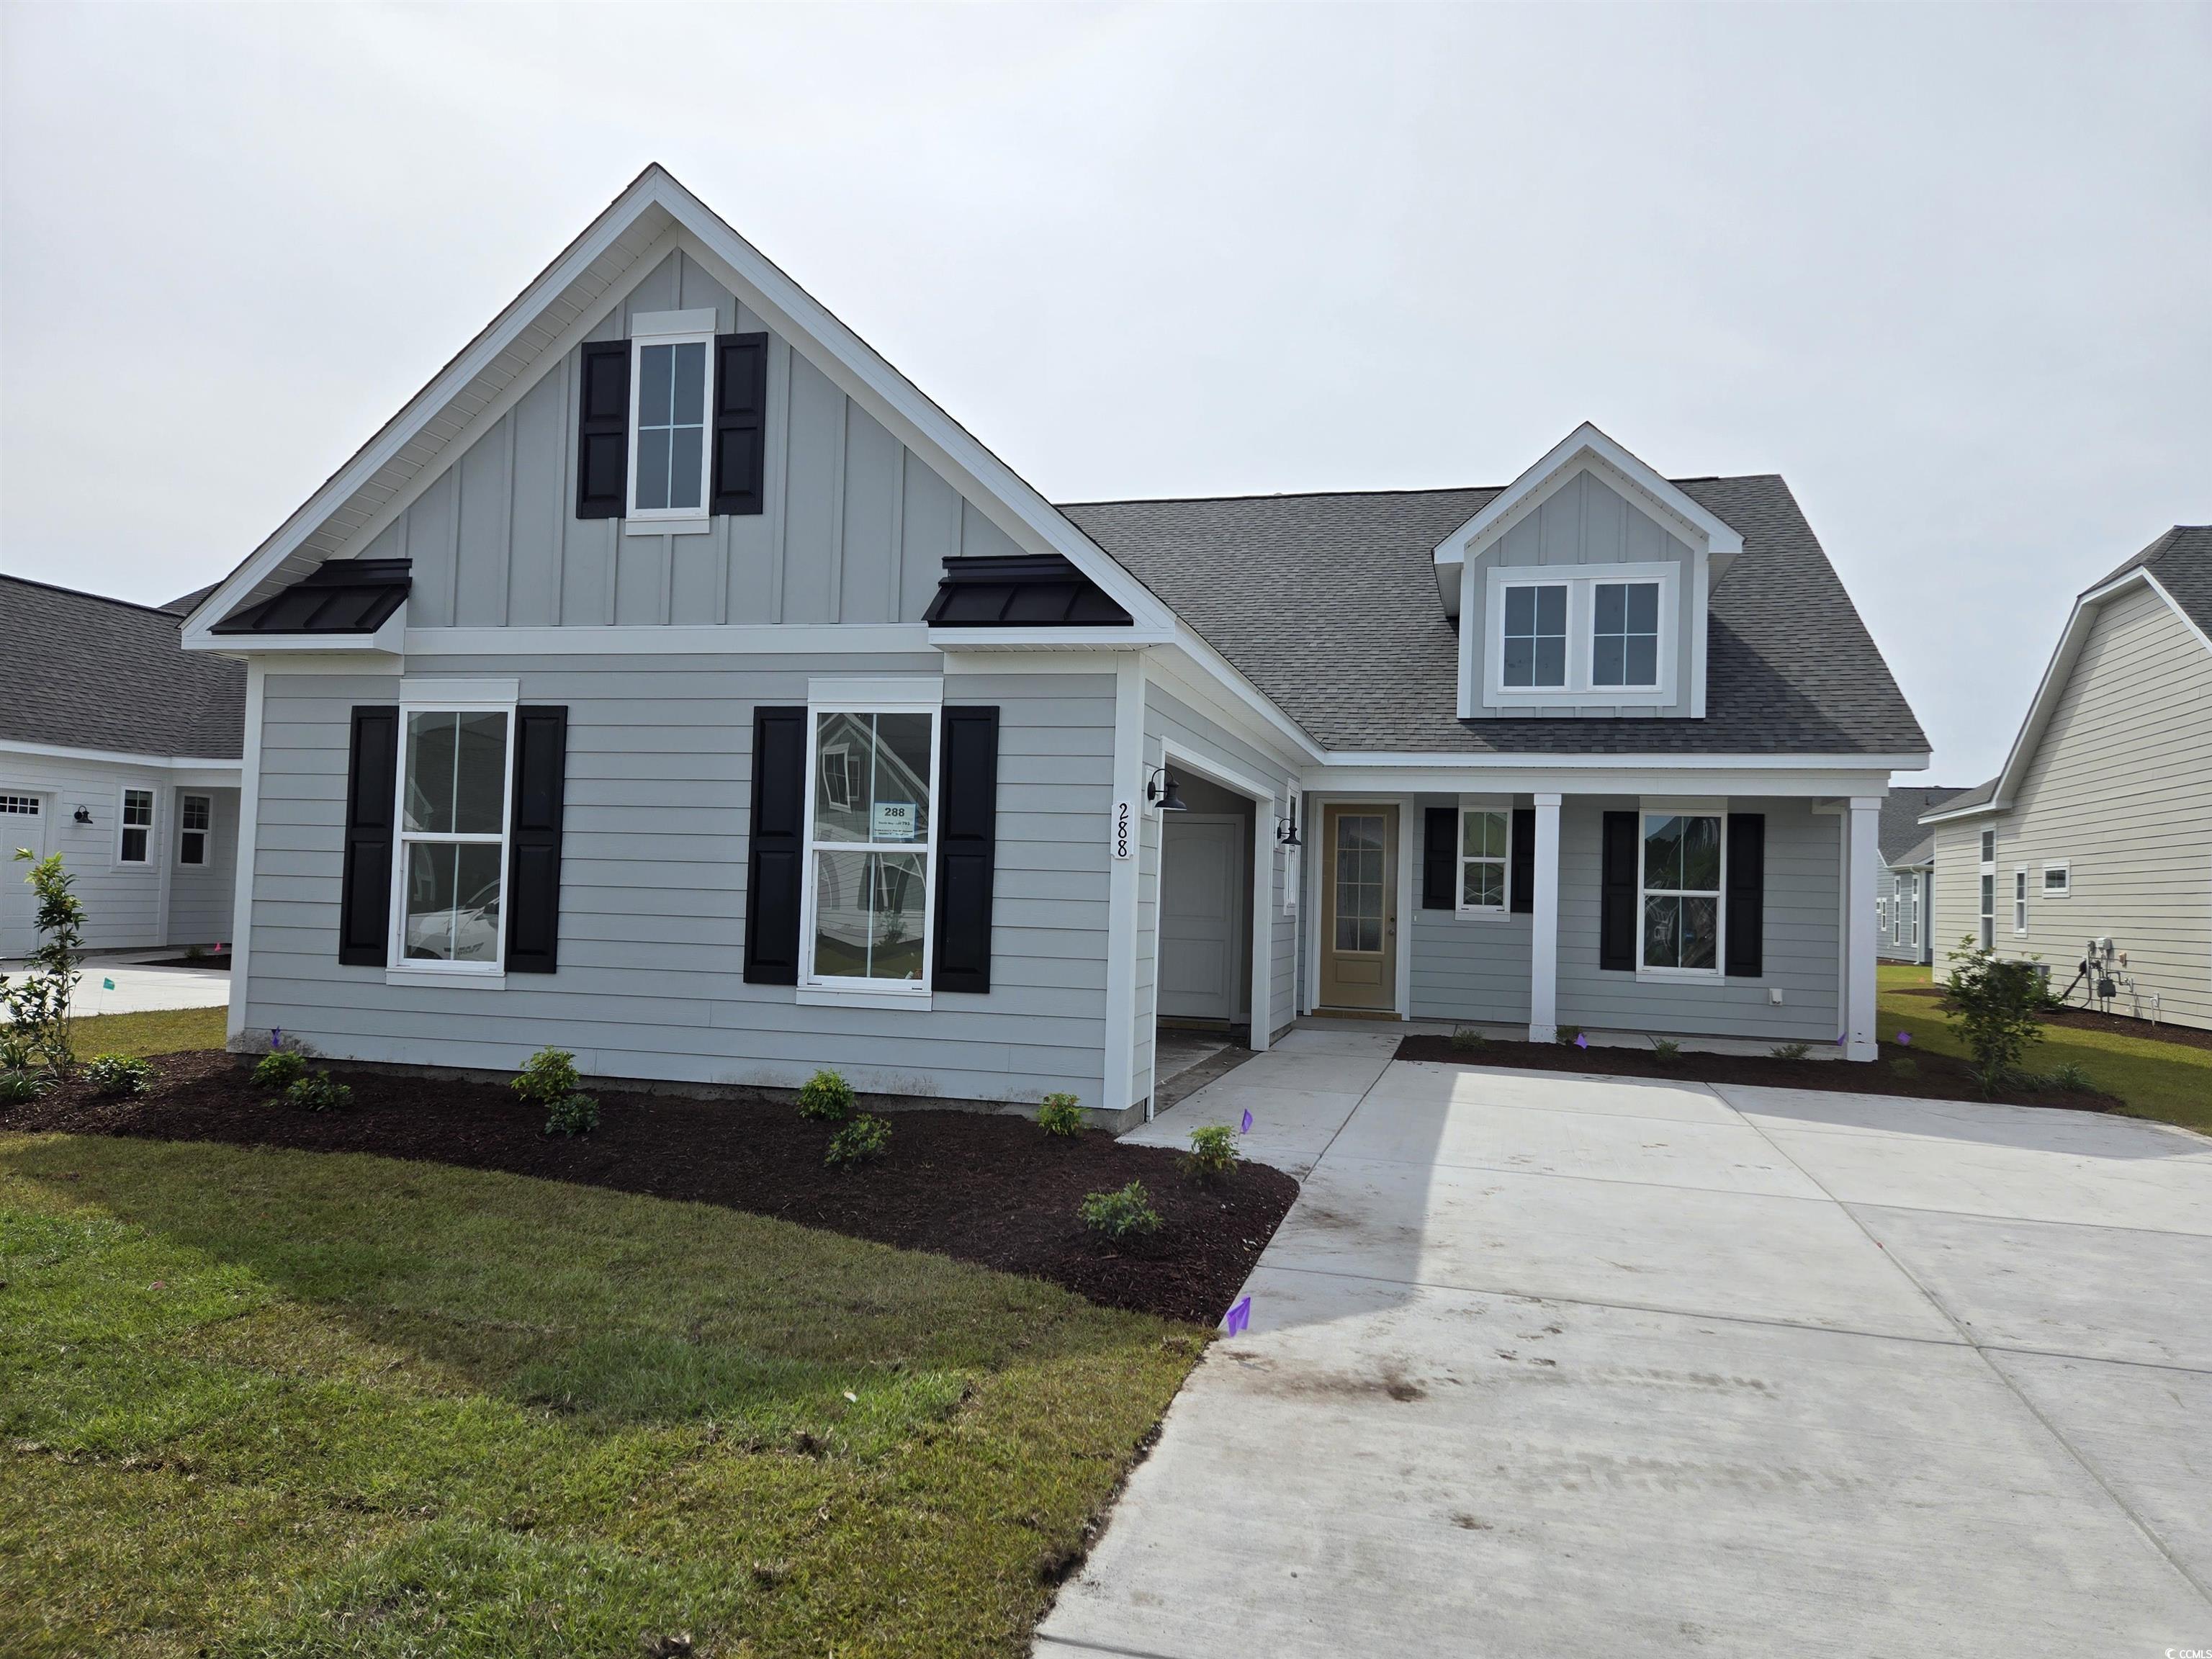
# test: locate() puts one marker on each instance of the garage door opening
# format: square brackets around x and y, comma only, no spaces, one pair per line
[1204,966]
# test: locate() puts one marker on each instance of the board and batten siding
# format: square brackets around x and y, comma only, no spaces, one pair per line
[2119,789]
[1586,521]
[653,893]
[855,527]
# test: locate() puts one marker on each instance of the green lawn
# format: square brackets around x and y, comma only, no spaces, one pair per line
[257,1402]
[163,1032]
[2169,1081]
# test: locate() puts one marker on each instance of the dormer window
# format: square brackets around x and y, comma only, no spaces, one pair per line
[668,428]
[1582,633]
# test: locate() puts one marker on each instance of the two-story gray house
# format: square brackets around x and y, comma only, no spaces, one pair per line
[673,682]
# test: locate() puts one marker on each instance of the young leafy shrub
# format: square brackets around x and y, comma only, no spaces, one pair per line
[1467,1040]
[1212,1153]
[2072,1079]
[572,1114]
[20,1086]
[1995,1004]
[1128,1213]
[863,1141]
[1059,1114]
[280,1068]
[1667,1049]
[1790,1050]
[118,1074]
[1570,1037]
[1906,1066]
[319,1091]
[826,1098]
[547,1077]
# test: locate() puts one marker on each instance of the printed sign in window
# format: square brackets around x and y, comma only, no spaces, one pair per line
[895,820]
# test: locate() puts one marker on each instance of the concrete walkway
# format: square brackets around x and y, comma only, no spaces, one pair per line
[1542,1364]
[138,989]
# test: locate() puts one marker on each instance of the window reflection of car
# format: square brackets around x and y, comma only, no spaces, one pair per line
[467,932]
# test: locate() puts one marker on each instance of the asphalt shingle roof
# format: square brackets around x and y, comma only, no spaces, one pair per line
[2181,559]
[84,671]
[1901,833]
[1328,605]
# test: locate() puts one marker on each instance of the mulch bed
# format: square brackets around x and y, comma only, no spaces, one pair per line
[990,1189]
[221,961]
[1937,1077]
[2091,1019]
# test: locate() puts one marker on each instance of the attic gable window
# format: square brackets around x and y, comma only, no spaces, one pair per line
[671,379]
[1594,634]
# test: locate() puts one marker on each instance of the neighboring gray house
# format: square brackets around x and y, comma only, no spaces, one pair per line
[120,751]
[2100,826]
[1905,926]
[671,681]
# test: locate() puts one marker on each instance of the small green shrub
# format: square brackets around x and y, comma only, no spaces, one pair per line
[118,1074]
[1128,1213]
[1059,1114]
[1790,1050]
[1995,1004]
[1467,1040]
[863,1141]
[280,1068]
[19,1086]
[826,1098]
[2072,1079]
[548,1077]
[1667,1049]
[1904,1066]
[1212,1153]
[1569,1036]
[319,1091]
[572,1114]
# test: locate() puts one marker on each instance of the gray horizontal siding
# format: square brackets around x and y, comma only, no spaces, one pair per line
[654,892]
[122,903]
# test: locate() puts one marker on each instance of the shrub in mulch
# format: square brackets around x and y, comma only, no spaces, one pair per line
[979,1187]
[1899,1072]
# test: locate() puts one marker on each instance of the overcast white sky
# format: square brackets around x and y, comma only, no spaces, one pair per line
[1948,271]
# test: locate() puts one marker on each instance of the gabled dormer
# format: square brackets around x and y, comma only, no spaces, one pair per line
[1580,589]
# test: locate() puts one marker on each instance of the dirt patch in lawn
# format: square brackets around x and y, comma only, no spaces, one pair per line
[989,1189]
[1937,1077]
[2089,1019]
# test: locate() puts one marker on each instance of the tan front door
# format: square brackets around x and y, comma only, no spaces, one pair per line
[1359,909]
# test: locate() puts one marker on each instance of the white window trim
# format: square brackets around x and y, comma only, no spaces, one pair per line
[1459,861]
[671,328]
[449,697]
[1646,811]
[2065,889]
[1581,581]
[833,991]
[2019,889]
[207,835]
[153,826]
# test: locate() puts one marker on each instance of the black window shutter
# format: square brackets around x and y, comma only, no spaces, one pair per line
[1440,858]
[603,432]
[1521,870]
[365,888]
[1619,902]
[533,857]
[740,422]
[774,859]
[1745,917]
[967,847]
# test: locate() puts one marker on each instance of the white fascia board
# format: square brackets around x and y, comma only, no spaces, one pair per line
[1623,775]
[209,771]
[1487,760]
[429,403]
[1047,639]
[1955,814]
[389,640]
[1200,663]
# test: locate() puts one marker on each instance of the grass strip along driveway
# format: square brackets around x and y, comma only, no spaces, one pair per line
[261,1401]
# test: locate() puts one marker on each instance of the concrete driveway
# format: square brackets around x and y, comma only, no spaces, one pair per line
[131,985]
[1551,1365]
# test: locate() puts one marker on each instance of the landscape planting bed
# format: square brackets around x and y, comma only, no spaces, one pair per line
[993,1189]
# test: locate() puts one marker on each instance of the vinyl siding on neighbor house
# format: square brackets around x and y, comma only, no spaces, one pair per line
[854,526]
[2119,788]
[654,896]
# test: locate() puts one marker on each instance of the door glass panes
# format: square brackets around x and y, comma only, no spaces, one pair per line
[870,909]
[1624,641]
[1535,636]
[1681,891]
[1482,860]
[451,902]
[672,426]
[871,778]
[1359,881]
[456,773]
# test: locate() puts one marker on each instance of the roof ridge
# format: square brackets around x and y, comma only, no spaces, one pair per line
[87,593]
[1349,494]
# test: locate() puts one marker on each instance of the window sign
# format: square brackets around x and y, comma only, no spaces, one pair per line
[895,820]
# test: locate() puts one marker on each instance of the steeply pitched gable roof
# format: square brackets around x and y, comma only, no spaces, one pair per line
[2181,560]
[79,671]
[1328,605]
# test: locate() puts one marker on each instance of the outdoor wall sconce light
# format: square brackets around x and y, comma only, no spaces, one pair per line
[1286,829]
[1160,791]
[84,815]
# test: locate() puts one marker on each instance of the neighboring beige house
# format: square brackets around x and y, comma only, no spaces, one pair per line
[2100,826]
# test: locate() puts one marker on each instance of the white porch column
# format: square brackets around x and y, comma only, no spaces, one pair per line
[1861,863]
[1544,926]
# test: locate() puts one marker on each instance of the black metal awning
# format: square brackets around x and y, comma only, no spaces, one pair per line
[1020,590]
[343,596]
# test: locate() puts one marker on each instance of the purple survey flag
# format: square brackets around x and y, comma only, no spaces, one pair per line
[1905,1038]
[1239,1318]
[1246,1129]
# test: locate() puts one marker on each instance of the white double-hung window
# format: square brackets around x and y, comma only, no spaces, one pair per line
[1485,835]
[870,848]
[670,379]
[135,826]
[1582,633]
[1683,875]
[449,914]
[195,818]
